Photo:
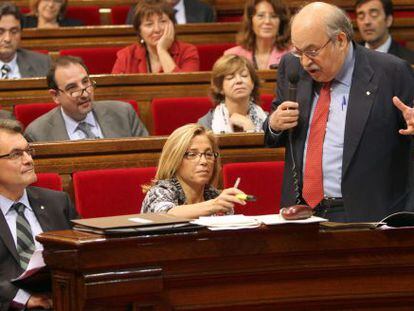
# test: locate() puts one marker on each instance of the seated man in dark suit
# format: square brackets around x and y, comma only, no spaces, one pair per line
[78,116]
[15,62]
[374,19]
[187,12]
[25,212]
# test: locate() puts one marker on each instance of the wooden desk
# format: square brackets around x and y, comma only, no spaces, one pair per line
[288,267]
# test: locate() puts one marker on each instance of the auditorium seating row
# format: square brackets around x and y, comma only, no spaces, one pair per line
[96,12]
[185,110]
[111,192]
[54,40]
[142,88]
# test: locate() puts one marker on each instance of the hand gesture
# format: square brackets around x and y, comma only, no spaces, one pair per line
[167,37]
[242,121]
[408,114]
[39,300]
[285,116]
[224,203]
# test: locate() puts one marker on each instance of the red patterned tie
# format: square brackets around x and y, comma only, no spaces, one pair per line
[312,191]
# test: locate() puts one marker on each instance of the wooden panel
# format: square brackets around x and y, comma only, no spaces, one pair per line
[288,267]
[141,87]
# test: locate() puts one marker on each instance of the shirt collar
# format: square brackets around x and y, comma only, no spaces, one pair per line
[345,74]
[6,204]
[72,125]
[179,6]
[382,48]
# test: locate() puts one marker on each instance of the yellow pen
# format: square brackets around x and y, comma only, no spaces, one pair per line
[246,197]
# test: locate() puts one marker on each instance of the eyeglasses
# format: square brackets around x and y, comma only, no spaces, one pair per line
[210,156]
[309,53]
[18,153]
[78,93]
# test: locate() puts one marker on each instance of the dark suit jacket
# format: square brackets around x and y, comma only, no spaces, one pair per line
[30,21]
[116,119]
[56,214]
[32,64]
[375,167]
[196,11]
[401,52]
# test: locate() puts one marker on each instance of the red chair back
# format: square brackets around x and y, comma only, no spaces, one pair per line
[171,113]
[26,113]
[229,18]
[99,60]
[49,180]
[110,192]
[266,101]
[261,179]
[133,103]
[209,53]
[119,14]
[89,15]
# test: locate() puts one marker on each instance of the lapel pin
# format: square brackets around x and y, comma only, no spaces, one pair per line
[42,207]
[368,93]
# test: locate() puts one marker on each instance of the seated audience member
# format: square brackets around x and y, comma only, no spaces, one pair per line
[186,12]
[25,212]
[157,50]
[48,14]
[374,19]
[15,62]
[187,172]
[265,34]
[235,90]
[78,116]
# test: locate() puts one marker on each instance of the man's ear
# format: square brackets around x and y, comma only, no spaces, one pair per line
[389,19]
[342,40]
[54,94]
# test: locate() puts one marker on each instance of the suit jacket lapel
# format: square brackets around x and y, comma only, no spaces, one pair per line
[7,237]
[104,120]
[57,126]
[40,211]
[361,99]
[25,69]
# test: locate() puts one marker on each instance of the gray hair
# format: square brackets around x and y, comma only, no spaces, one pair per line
[12,126]
[338,22]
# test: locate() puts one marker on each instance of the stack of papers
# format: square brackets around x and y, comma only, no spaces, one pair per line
[228,222]
[277,219]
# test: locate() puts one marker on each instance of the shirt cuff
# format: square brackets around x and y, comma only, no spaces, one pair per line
[274,133]
[21,298]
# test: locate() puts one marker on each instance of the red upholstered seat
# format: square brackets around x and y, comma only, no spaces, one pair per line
[49,180]
[209,53]
[171,113]
[89,14]
[119,14]
[110,192]
[229,18]
[26,113]
[261,179]
[99,60]
[266,101]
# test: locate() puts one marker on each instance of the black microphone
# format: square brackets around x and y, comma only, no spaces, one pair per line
[293,77]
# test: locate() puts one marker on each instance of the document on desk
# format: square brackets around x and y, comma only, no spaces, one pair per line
[277,219]
[227,222]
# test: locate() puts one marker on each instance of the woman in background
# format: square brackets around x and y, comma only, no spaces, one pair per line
[48,14]
[187,173]
[265,34]
[157,50]
[235,90]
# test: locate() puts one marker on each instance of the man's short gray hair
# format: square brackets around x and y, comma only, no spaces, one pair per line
[10,125]
[338,22]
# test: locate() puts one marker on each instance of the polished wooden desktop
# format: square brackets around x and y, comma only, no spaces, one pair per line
[288,267]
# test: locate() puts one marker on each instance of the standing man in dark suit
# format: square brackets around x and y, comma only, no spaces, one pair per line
[25,212]
[374,19]
[15,62]
[187,12]
[78,116]
[351,163]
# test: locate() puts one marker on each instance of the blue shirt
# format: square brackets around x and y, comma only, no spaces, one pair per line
[72,126]
[333,145]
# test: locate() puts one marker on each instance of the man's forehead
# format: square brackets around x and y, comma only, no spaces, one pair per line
[71,74]
[10,140]
[308,36]
[371,4]
[9,21]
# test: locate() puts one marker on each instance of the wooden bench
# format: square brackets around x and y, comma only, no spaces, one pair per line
[65,158]
[141,87]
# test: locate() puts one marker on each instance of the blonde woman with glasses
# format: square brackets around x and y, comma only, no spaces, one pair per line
[48,14]
[187,173]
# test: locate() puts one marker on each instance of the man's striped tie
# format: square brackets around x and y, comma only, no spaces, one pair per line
[5,70]
[25,242]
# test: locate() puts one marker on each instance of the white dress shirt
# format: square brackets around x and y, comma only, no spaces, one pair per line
[72,126]
[14,72]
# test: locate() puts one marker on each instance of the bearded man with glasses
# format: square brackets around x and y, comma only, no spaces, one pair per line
[25,211]
[345,156]
[78,116]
